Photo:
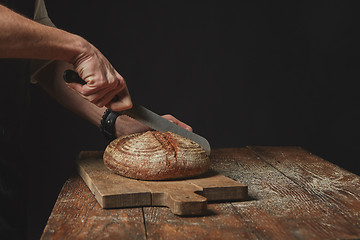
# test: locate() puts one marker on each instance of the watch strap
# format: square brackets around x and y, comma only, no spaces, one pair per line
[107,124]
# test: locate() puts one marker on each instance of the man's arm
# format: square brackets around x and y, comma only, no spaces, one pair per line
[21,37]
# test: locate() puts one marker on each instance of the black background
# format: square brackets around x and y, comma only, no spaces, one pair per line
[239,72]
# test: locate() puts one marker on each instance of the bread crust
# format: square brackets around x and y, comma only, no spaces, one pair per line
[154,155]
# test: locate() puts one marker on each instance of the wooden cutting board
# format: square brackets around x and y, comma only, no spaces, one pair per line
[183,197]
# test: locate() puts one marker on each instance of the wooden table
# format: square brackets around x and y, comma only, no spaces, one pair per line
[293,195]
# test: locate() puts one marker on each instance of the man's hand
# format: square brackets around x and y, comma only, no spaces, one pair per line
[103,82]
[177,122]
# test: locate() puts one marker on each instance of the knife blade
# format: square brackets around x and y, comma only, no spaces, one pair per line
[147,117]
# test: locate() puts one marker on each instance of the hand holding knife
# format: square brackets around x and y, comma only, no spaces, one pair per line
[148,117]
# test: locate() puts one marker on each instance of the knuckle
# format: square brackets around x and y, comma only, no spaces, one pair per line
[120,82]
[114,84]
[111,82]
[121,79]
[128,105]
[101,83]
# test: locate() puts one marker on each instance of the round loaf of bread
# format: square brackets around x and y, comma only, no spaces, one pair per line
[154,155]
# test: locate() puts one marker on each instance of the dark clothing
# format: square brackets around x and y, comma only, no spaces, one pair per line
[12,192]
[24,7]
[14,102]
[14,83]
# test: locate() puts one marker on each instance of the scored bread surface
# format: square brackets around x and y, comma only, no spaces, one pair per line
[154,155]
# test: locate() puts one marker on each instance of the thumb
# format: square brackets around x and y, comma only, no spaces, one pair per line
[123,103]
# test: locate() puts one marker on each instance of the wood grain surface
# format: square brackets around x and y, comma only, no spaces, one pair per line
[77,215]
[293,195]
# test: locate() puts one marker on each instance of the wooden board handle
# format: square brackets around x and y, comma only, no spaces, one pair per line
[181,202]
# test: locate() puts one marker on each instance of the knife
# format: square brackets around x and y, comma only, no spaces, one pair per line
[147,117]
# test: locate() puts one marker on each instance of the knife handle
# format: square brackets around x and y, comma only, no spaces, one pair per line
[71,76]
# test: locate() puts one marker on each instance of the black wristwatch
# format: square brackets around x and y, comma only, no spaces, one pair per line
[107,124]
